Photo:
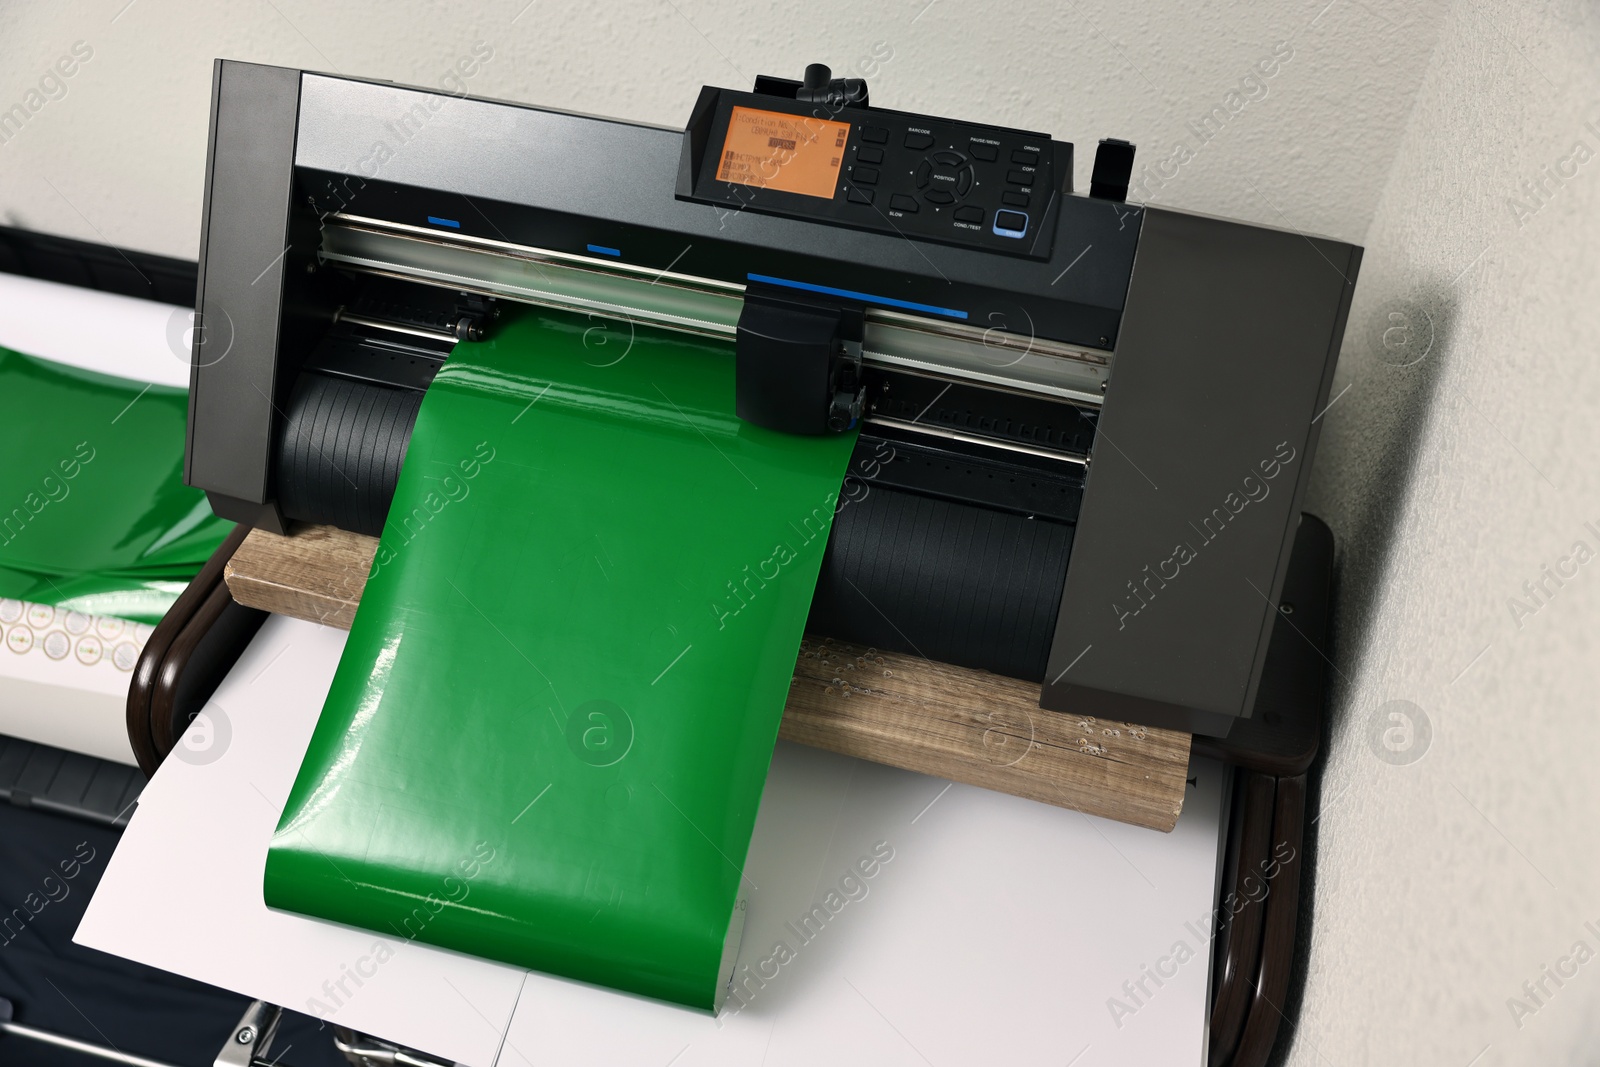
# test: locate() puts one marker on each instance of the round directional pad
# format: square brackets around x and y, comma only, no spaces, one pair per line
[944,177]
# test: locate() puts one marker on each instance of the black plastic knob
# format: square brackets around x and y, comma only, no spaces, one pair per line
[818,75]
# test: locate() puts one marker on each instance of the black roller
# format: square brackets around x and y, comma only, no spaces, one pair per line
[955,583]
[338,459]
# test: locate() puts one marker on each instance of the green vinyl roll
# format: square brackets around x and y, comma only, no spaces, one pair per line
[547,737]
[94,514]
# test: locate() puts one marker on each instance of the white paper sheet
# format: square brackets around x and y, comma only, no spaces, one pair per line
[989,930]
[120,335]
[203,824]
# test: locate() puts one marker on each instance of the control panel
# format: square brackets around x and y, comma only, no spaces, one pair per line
[928,179]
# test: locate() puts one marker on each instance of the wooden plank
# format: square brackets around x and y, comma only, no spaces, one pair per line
[317,573]
[983,729]
[951,722]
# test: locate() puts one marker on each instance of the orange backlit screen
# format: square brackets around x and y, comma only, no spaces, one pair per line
[790,153]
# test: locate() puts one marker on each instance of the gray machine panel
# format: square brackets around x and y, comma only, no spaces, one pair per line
[624,174]
[249,180]
[1202,456]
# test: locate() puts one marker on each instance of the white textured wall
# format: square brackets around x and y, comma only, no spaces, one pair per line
[121,156]
[1444,882]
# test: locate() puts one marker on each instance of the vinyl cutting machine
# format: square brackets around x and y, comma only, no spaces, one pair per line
[1086,425]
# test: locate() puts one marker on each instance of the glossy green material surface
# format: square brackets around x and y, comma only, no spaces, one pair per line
[94,514]
[548,735]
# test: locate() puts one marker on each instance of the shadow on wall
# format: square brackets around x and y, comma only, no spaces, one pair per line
[1367,456]
[1369,451]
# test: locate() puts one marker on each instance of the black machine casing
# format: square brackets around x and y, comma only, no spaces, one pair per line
[1146,591]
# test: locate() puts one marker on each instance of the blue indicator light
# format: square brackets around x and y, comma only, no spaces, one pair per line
[604,251]
[452,223]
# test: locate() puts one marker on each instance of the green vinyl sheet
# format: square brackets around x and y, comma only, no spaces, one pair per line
[139,596]
[93,509]
[548,734]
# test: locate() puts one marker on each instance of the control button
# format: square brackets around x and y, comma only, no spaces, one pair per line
[1025,157]
[11,610]
[57,644]
[970,213]
[106,626]
[869,155]
[902,202]
[1015,199]
[875,134]
[964,182]
[922,174]
[866,175]
[1019,177]
[859,196]
[89,650]
[939,196]
[919,140]
[986,152]
[40,615]
[949,159]
[1010,223]
[125,656]
[19,639]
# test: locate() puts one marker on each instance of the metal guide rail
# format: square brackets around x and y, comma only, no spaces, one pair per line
[1005,355]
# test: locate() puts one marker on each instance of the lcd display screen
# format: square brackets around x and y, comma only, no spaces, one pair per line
[790,153]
